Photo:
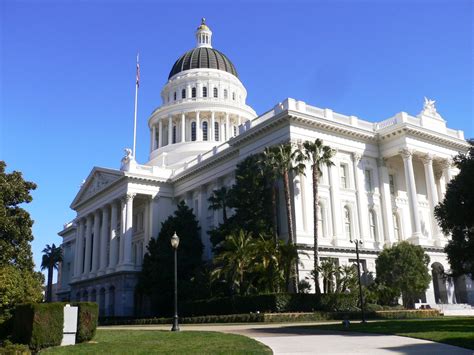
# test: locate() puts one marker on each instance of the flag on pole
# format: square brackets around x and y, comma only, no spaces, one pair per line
[138,72]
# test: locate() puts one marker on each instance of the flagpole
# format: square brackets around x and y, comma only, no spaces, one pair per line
[135,113]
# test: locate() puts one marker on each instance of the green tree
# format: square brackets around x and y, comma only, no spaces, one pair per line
[404,269]
[220,200]
[156,278]
[455,215]
[283,157]
[328,271]
[317,154]
[52,256]
[18,281]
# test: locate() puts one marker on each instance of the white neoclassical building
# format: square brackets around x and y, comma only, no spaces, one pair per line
[387,178]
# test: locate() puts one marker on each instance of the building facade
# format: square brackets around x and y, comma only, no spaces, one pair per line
[382,189]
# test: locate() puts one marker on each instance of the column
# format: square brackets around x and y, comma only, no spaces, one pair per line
[87,257]
[227,126]
[170,129]
[146,225]
[387,213]
[239,120]
[153,136]
[198,128]
[361,197]
[113,236]
[212,133]
[96,243]
[104,237]
[411,190]
[127,237]
[78,249]
[432,193]
[183,127]
[160,133]
[123,217]
[335,205]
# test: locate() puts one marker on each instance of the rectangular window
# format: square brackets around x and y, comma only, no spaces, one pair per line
[368,180]
[343,173]
[391,180]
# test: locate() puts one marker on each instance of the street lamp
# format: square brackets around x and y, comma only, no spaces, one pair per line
[357,242]
[174,244]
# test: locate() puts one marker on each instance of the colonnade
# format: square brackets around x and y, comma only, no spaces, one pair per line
[212,126]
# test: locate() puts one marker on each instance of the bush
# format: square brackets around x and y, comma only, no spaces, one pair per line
[9,348]
[87,319]
[38,325]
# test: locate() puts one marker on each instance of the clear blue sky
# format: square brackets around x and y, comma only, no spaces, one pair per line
[68,71]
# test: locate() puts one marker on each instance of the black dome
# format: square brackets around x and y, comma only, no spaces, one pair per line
[203,57]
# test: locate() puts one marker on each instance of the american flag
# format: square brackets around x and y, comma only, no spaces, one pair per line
[138,73]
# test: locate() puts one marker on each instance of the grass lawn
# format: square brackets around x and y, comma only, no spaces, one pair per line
[450,330]
[164,342]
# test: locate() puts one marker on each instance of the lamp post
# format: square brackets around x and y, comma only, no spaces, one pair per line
[174,245]
[357,242]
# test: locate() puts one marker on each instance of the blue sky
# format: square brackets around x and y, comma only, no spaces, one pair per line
[68,70]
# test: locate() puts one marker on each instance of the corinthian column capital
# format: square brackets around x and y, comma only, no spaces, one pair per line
[406,153]
[427,159]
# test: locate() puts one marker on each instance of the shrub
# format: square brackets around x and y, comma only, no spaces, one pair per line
[9,348]
[87,319]
[39,325]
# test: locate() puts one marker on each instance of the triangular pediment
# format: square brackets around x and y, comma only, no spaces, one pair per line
[98,180]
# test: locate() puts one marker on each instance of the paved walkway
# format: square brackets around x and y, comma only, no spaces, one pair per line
[298,339]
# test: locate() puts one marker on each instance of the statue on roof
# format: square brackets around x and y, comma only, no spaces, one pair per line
[429,107]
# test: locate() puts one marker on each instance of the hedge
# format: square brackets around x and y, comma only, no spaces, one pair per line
[39,325]
[270,303]
[277,317]
[87,319]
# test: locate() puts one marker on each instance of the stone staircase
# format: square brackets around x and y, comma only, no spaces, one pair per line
[458,309]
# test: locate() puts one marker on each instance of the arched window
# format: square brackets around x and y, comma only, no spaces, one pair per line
[193,131]
[174,134]
[204,131]
[204,91]
[347,222]
[215,93]
[183,93]
[233,96]
[396,227]
[216,131]
[193,92]
[225,93]
[373,224]
[174,96]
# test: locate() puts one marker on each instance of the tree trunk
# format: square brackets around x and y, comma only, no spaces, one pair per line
[291,238]
[317,290]
[274,207]
[224,212]
[49,290]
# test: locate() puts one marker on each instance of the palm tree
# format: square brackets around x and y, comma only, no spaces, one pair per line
[283,157]
[328,270]
[52,256]
[266,259]
[235,260]
[220,199]
[317,154]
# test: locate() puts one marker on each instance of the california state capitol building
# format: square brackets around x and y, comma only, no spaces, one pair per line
[386,180]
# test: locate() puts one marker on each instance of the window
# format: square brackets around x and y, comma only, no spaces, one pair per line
[347,222]
[373,225]
[174,96]
[216,131]
[215,93]
[183,93]
[204,131]
[233,96]
[193,92]
[193,131]
[235,131]
[396,227]
[204,91]
[391,180]
[343,173]
[368,180]
[174,134]
[321,220]
[225,93]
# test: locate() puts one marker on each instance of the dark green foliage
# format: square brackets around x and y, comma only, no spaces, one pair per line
[403,269]
[52,256]
[87,320]
[8,348]
[250,198]
[283,302]
[156,279]
[455,215]
[39,325]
